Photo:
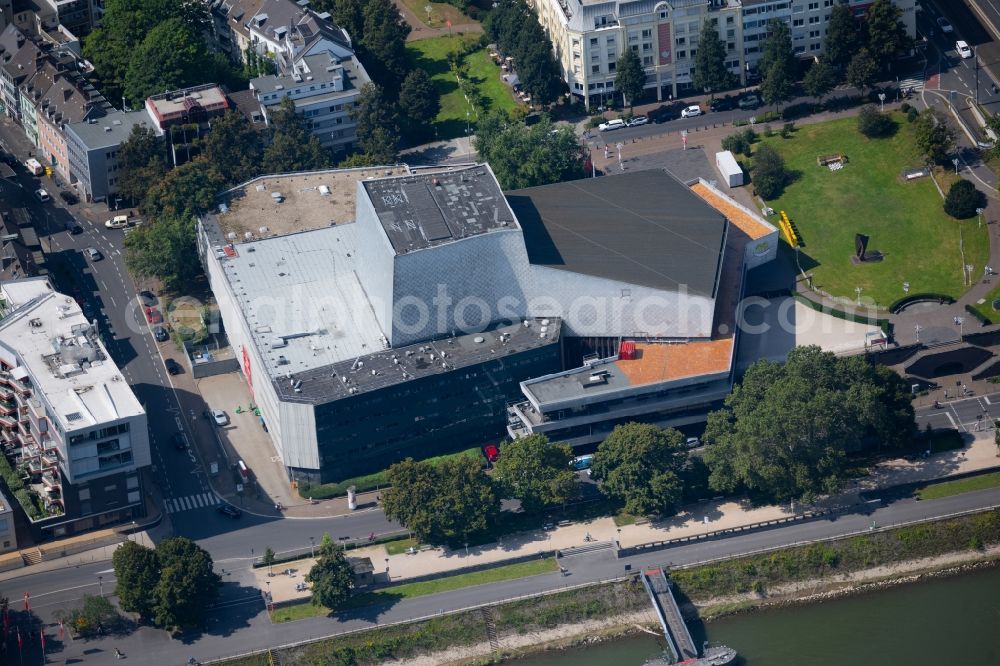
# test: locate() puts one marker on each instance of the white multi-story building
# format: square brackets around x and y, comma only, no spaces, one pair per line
[588,36]
[67,415]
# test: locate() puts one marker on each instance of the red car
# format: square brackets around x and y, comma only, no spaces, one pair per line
[153,316]
[491,452]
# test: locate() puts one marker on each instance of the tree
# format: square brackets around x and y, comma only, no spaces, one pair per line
[630,78]
[376,125]
[873,124]
[384,41]
[419,104]
[768,173]
[348,14]
[933,136]
[963,200]
[710,71]
[862,72]
[293,146]
[187,585]
[137,570]
[776,86]
[140,162]
[523,156]
[640,464]
[332,577]
[184,191]
[785,428]
[536,472]
[819,80]
[778,49]
[449,502]
[165,249]
[268,558]
[887,37]
[234,148]
[172,56]
[844,37]
[737,144]
[514,26]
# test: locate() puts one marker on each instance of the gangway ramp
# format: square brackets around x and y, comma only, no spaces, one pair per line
[660,593]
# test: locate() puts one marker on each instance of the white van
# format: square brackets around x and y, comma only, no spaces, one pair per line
[34,166]
[117,222]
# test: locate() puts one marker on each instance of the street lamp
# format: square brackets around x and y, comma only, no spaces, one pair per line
[979,212]
[955,162]
[312,546]
[387,578]
[906,287]
[100,583]
[881,99]
[858,290]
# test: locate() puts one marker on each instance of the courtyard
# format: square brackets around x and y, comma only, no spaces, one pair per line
[922,246]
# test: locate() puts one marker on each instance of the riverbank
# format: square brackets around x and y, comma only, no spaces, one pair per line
[804,574]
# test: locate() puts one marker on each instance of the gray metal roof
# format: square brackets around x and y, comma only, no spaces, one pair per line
[395,366]
[424,210]
[644,228]
[110,130]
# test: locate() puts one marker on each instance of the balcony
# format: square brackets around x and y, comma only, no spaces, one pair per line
[50,480]
[8,408]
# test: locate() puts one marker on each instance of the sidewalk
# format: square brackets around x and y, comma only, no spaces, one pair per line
[693,520]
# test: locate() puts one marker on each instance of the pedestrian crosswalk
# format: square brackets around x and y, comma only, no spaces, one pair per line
[913,84]
[199,501]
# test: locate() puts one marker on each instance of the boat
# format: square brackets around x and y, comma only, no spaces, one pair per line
[714,655]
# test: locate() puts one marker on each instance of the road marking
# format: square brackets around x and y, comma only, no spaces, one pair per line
[189,502]
[987,399]
[953,424]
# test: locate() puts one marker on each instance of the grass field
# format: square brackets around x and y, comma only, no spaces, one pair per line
[440,12]
[949,488]
[431,55]
[400,546]
[905,221]
[423,588]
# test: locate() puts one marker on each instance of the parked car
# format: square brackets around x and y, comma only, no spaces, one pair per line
[638,120]
[722,103]
[42,195]
[963,49]
[749,102]
[220,417]
[691,111]
[172,366]
[179,442]
[93,254]
[74,228]
[617,123]
[69,197]
[147,298]
[692,442]
[582,462]
[153,316]
[229,510]
[945,25]
[160,334]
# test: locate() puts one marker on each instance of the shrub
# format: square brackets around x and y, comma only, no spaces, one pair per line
[737,144]
[750,135]
[787,129]
[768,132]
[874,124]
[911,115]
[905,107]
[963,199]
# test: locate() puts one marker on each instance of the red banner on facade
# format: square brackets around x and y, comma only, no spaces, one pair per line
[666,45]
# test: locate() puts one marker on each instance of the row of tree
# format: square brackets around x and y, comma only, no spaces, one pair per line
[146,47]
[523,156]
[514,26]
[171,586]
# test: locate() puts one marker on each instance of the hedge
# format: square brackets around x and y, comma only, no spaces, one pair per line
[883,324]
[899,303]
[983,319]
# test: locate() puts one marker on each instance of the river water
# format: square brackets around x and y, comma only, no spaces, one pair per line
[945,621]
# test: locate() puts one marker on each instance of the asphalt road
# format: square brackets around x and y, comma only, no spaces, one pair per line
[239,624]
[968,414]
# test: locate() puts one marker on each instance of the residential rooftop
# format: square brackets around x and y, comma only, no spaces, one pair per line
[173,106]
[46,339]
[429,209]
[286,204]
[619,228]
[109,130]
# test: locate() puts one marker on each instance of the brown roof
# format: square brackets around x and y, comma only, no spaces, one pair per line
[735,214]
[662,361]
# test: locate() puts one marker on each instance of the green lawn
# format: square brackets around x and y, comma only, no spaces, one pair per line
[400,546]
[423,588]
[440,13]
[986,308]
[431,56]
[949,488]
[905,221]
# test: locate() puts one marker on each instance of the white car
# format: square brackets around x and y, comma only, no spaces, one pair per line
[617,123]
[963,49]
[42,195]
[220,417]
[638,120]
[691,111]
[945,25]
[117,222]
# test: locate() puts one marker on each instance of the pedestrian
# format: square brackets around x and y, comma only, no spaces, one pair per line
[118,654]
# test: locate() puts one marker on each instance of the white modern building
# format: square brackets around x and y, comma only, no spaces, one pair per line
[588,36]
[68,418]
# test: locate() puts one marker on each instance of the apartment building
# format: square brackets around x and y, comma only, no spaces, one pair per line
[92,147]
[588,36]
[68,419]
